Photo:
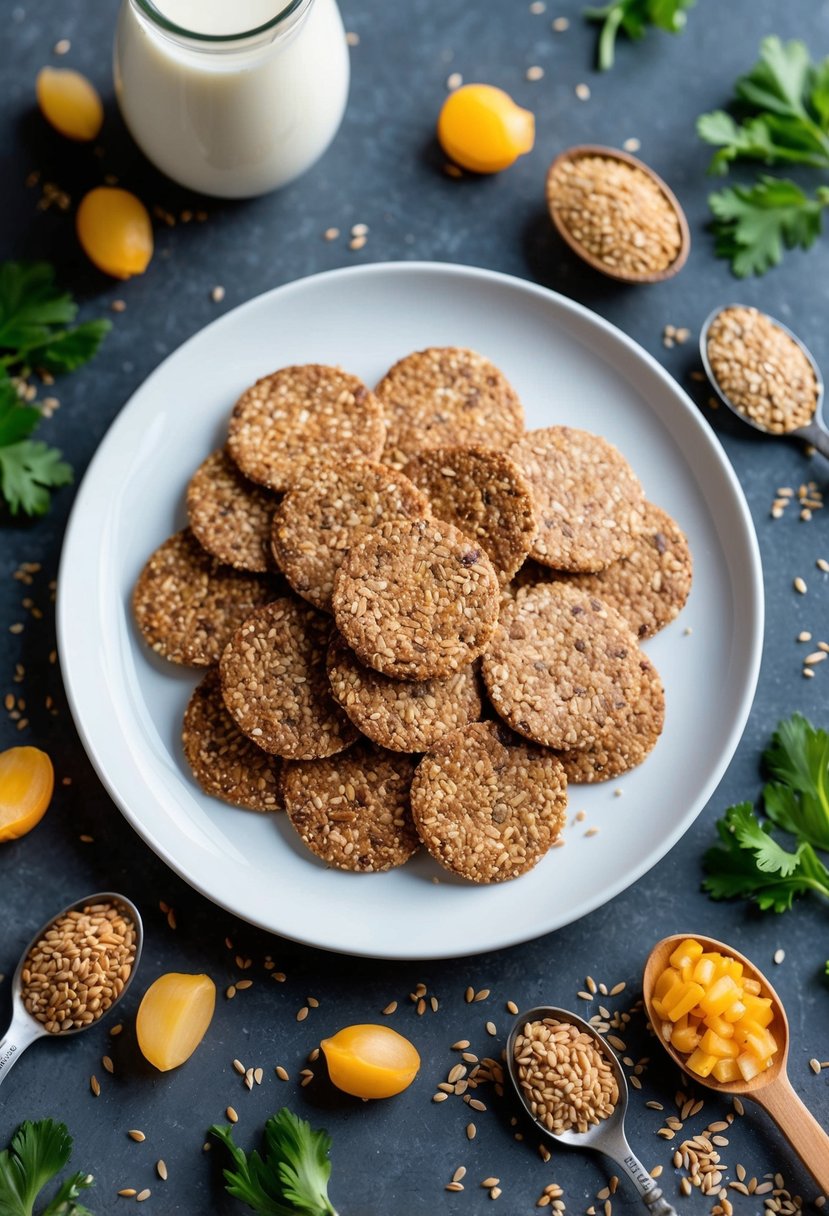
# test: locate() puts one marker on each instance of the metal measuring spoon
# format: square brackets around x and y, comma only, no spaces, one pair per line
[815,432]
[606,1137]
[25,1029]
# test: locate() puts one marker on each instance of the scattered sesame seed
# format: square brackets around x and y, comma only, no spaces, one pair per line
[779,955]
[352,39]
[161,1169]
[471,1131]
[482,995]
[814,1065]
[95,1086]
[128,1192]
[230,992]
[454,81]
[439,1097]
[592,832]
[491,1029]
[459,1174]
[356,243]
[241,985]
[108,1064]
[302,1013]
[231,1115]
[142,1195]
[560,24]
[804,636]
[282,1073]
[331,234]
[584,996]
[583,92]
[822,564]
[535,73]
[217,294]
[135,1134]
[390,1008]
[116,1029]
[85,838]
[62,47]
[512,1008]
[808,673]
[799,585]
[239,1067]
[537,7]
[359,230]
[632,144]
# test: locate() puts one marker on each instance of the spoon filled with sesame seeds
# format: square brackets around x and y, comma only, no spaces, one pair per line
[75,969]
[572,1086]
[690,976]
[764,374]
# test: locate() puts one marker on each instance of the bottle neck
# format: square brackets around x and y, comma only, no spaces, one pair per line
[261,23]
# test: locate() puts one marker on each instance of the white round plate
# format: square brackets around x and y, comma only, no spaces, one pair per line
[568,366]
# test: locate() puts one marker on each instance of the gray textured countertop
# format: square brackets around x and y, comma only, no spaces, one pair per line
[385,170]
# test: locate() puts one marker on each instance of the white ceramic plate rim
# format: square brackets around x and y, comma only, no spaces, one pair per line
[74,598]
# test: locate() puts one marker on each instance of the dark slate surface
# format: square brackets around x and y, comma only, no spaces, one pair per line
[385,170]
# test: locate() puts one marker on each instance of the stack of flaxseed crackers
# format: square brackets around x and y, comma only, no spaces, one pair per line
[418,620]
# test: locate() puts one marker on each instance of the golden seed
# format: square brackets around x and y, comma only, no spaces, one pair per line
[231,1115]
[142,1195]
[161,1169]
[138,1136]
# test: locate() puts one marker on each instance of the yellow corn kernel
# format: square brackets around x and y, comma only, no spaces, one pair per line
[701,1063]
[719,1025]
[762,1045]
[751,987]
[734,1012]
[745,1027]
[717,1046]
[685,1039]
[682,999]
[722,993]
[667,980]
[726,1071]
[686,952]
[173,1018]
[705,971]
[482,129]
[658,1008]
[759,1009]
[749,1066]
[70,103]
[115,231]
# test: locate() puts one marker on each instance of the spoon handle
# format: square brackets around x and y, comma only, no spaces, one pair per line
[618,1149]
[17,1038]
[799,1126]
[817,436]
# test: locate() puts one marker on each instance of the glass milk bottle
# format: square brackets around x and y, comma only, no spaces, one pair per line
[231,97]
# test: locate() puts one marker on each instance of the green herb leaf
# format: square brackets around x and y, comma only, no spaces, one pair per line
[753,224]
[798,802]
[71,348]
[37,1153]
[634,17]
[30,303]
[750,863]
[17,420]
[28,470]
[292,1177]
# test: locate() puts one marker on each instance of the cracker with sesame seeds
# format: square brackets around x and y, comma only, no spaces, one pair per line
[649,586]
[416,599]
[315,524]
[275,685]
[187,605]
[299,415]
[226,763]
[230,516]
[403,715]
[483,493]
[447,395]
[486,804]
[588,500]
[626,745]
[353,810]
[563,668]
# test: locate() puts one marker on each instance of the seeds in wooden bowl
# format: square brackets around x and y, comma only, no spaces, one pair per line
[78,969]
[617,214]
[568,1082]
[762,370]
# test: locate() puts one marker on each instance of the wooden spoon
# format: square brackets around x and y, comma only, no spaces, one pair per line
[770,1089]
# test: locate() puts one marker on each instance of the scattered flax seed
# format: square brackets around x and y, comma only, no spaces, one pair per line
[459,1174]
[582,91]
[454,1186]
[491,1029]
[230,992]
[584,996]
[116,1029]
[495,1193]
[512,1008]
[135,1134]
[279,976]
[313,1055]
[808,673]
[489,1182]
[171,918]
[127,1192]
[592,832]
[359,230]
[654,1105]
[231,1115]
[454,81]
[632,144]
[108,1064]
[241,985]
[95,1085]
[439,1096]
[217,294]
[738,1106]
[302,1013]
[656,1172]
[817,656]
[477,1104]
[535,73]
[461,1045]
[390,1008]
[799,585]
[85,838]
[282,1073]
[330,234]
[471,1131]
[537,7]
[482,995]
[560,24]
[62,47]
[352,39]
[356,243]
[161,1169]
[804,636]
[469,996]
[617,988]
[822,564]
[142,1195]
[239,1067]
[420,1009]
[814,1065]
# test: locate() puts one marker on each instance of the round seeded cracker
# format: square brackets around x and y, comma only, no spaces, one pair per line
[626,745]
[487,805]
[314,526]
[353,810]
[275,685]
[415,599]
[187,605]
[230,516]
[563,668]
[300,415]
[588,500]
[403,715]
[649,586]
[447,395]
[225,762]
[483,493]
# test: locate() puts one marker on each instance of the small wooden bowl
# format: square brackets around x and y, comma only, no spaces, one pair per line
[653,276]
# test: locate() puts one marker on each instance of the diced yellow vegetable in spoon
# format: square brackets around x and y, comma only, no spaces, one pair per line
[173,1018]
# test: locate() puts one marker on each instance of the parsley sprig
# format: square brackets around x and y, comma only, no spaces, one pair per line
[36,332]
[633,17]
[37,1154]
[290,1177]
[749,861]
[781,118]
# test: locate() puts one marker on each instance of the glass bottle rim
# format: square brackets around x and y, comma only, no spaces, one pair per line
[149,9]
